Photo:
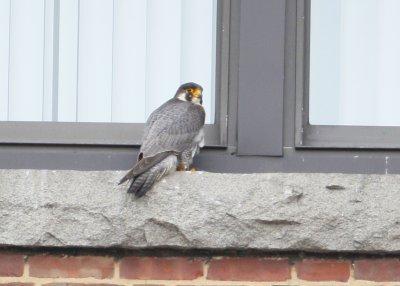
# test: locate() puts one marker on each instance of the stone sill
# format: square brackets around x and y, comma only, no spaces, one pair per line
[268,212]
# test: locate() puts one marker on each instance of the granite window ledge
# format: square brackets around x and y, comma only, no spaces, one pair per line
[200,210]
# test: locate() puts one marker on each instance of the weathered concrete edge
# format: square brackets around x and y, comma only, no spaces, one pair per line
[268,212]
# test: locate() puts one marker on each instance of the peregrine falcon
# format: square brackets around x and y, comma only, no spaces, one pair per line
[173,135]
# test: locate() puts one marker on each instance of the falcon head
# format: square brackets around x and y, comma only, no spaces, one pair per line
[191,92]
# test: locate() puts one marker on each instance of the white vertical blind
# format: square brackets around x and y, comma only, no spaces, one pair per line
[129,61]
[26,60]
[116,60]
[389,64]
[359,55]
[325,45]
[197,54]
[47,112]
[68,60]
[95,60]
[354,62]
[163,64]
[4,56]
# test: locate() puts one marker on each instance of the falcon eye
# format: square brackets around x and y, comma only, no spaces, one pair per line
[190,90]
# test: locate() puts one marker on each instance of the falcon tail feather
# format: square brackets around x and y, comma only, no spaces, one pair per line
[145,181]
[144,165]
[137,183]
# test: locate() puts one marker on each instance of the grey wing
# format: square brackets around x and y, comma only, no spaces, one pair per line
[172,127]
[170,130]
[145,164]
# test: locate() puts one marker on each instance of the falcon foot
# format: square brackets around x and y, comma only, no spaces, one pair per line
[181,167]
[193,169]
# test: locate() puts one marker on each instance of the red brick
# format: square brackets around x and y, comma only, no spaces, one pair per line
[176,268]
[249,269]
[378,270]
[148,285]
[47,266]
[16,284]
[11,265]
[78,284]
[323,270]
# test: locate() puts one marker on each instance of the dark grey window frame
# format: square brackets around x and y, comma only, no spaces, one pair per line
[229,159]
[329,136]
[261,73]
[126,134]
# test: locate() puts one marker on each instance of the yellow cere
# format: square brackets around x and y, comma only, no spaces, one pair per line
[195,92]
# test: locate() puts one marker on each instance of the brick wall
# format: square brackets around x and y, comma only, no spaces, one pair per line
[62,270]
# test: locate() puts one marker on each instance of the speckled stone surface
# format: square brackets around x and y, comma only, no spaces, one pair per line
[312,212]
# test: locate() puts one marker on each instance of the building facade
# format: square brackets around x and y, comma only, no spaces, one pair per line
[298,182]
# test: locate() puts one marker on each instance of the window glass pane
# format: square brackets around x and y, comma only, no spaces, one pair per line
[26,59]
[103,60]
[355,62]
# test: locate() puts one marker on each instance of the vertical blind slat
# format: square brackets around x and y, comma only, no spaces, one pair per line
[48,61]
[359,41]
[129,61]
[117,60]
[4,56]
[359,60]
[389,63]
[163,51]
[95,60]
[68,60]
[325,43]
[197,48]
[26,60]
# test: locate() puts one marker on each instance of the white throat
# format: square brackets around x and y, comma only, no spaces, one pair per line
[182,96]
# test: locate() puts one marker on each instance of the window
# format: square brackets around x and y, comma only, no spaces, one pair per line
[91,71]
[272,74]
[347,74]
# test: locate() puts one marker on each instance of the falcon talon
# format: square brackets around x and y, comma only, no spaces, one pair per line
[174,134]
[181,167]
